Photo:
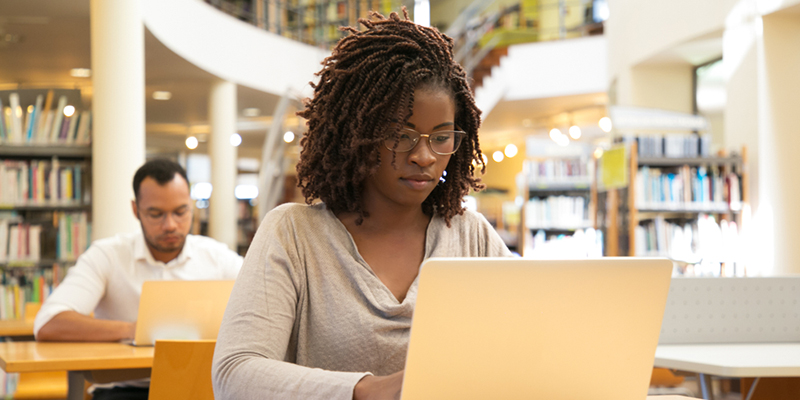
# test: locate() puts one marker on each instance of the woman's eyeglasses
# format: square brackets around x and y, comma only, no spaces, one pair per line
[440,142]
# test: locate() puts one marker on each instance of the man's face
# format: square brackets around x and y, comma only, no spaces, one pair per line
[165,213]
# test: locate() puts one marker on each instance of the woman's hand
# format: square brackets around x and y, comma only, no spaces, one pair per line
[379,387]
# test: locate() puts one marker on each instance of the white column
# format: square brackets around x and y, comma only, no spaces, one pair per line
[778,97]
[222,205]
[118,123]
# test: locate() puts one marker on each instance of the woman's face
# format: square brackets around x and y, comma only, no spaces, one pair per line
[415,173]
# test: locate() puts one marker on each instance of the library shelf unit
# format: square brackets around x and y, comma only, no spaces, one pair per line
[690,191]
[44,217]
[317,22]
[558,199]
[45,196]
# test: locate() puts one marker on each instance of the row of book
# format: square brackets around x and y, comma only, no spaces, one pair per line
[709,247]
[8,384]
[674,145]
[687,188]
[24,243]
[557,212]
[584,243]
[26,285]
[40,123]
[563,170]
[43,182]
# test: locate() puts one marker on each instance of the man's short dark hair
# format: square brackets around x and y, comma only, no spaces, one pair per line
[161,170]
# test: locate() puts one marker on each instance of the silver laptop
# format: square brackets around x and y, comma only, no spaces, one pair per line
[181,310]
[511,328]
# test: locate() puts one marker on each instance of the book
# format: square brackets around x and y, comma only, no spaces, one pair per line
[58,118]
[46,119]
[3,240]
[2,122]
[16,118]
[73,127]
[84,126]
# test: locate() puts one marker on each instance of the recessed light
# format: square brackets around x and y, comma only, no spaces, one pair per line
[162,95]
[236,140]
[251,112]
[80,72]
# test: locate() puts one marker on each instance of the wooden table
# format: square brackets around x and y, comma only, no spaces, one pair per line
[106,362]
[735,360]
[16,327]
[79,358]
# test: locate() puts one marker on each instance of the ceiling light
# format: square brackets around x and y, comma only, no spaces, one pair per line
[598,152]
[80,72]
[605,124]
[236,140]
[245,192]
[562,140]
[497,156]
[511,150]
[484,158]
[288,137]
[575,132]
[201,190]
[69,110]
[162,95]
[191,142]
[251,112]
[555,134]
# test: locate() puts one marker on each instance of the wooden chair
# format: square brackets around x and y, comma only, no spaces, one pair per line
[182,370]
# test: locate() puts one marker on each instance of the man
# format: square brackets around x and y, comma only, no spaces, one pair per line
[107,279]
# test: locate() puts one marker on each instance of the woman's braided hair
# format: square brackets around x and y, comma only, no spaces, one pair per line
[365,84]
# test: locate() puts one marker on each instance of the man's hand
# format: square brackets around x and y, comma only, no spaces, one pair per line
[70,326]
[379,387]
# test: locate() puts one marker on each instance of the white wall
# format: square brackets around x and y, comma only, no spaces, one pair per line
[638,30]
[779,122]
[546,69]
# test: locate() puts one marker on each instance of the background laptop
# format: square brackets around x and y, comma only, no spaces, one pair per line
[511,328]
[187,310]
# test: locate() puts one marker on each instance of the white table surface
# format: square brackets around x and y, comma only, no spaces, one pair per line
[737,360]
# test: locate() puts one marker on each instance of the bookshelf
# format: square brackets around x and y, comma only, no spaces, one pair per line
[45,192]
[558,204]
[688,209]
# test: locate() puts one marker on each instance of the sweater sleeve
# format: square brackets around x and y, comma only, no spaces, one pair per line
[254,347]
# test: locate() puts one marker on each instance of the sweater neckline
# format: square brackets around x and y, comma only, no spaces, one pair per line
[353,249]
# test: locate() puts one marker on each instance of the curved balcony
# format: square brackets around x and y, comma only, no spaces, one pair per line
[230,49]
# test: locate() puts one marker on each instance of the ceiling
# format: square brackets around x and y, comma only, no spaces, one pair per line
[41,40]
[512,121]
[47,38]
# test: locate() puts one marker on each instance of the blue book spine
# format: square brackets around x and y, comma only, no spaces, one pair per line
[29,134]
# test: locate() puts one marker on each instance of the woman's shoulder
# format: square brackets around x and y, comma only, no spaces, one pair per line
[468,219]
[297,212]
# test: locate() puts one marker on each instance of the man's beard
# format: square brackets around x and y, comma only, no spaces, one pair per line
[162,249]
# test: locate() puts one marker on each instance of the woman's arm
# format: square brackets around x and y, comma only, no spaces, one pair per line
[253,345]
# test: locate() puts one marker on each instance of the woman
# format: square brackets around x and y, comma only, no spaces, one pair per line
[323,304]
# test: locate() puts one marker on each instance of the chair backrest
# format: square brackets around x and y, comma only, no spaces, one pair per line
[732,310]
[182,370]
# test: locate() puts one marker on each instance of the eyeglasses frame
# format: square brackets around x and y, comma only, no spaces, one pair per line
[428,137]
